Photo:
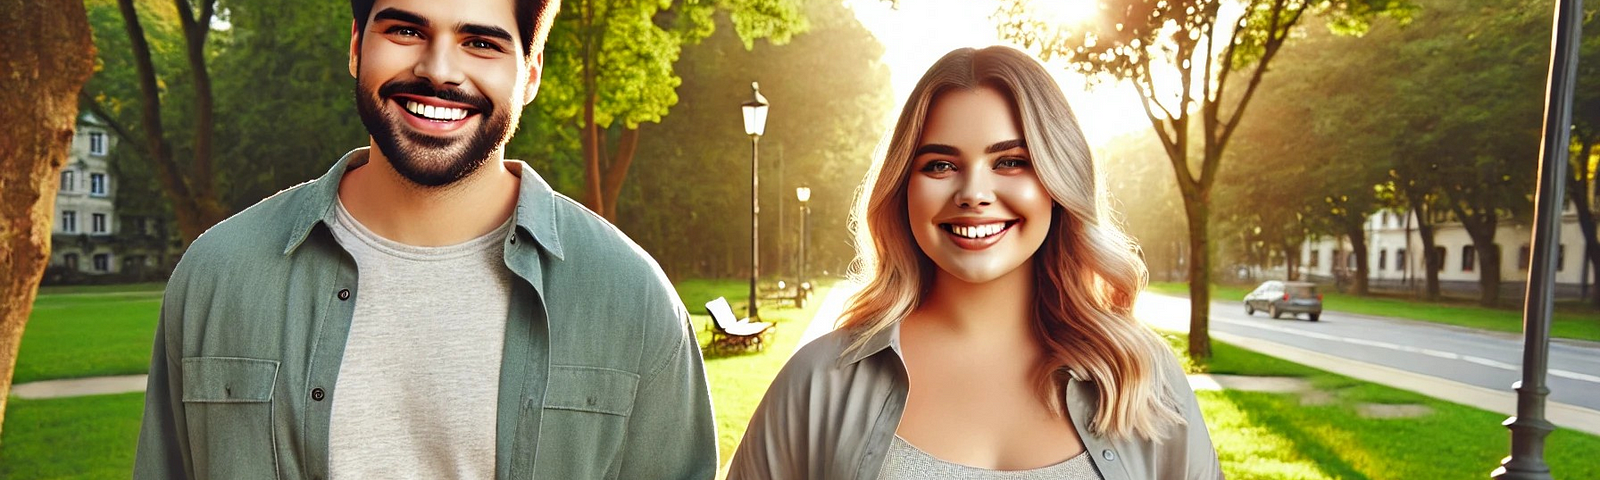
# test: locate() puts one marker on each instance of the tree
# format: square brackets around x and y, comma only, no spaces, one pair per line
[190,187]
[612,62]
[1581,188]
[49,55]
[1205,45]
[694,168]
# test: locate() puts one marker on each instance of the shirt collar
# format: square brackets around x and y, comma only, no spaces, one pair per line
[887,338]
[536,203]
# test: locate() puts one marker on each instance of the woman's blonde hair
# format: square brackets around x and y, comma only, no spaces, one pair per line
[1087,272]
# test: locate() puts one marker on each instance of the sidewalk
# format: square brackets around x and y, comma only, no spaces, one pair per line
[78,387]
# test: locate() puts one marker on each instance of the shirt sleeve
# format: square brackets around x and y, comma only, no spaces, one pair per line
[671,433]
[163,451]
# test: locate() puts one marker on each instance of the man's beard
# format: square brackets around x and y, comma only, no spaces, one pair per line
[423,159]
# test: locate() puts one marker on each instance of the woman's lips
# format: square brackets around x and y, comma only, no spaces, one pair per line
[977,237]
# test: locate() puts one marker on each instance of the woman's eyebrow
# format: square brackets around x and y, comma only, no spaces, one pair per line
[938,148]
[1006,145]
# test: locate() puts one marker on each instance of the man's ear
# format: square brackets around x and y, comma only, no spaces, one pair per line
[355,47]
[535,69]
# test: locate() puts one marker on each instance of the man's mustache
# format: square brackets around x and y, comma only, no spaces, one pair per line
[423,88]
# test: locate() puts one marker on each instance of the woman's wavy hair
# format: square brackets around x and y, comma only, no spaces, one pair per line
[1087,272]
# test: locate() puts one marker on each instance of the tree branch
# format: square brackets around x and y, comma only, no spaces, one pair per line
[117,128]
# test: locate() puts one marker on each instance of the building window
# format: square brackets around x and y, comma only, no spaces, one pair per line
[102,262]
[1524,257]
[1469,258]
[1438,257]
[70,260]
[97,223]
[1561,256]
[1315,255]
[97,144]
[1383,259]
[1399,259]
[97,184]
[69,180]
[69,221]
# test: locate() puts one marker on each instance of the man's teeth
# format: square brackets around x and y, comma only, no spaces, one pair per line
[435,113]
[977,231]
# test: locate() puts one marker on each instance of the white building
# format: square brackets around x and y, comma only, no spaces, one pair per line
[1394,262]
[86,204]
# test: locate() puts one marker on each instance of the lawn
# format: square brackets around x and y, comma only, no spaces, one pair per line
[1262,435]
[81,437]
[1575,322]
[739,381]
[85,335]
[99,334]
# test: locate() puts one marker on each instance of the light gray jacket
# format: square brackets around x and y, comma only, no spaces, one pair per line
[829,415]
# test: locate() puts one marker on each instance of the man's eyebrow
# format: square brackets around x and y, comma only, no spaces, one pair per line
[490,31]
[1006,145]
[937,148]
[399,15]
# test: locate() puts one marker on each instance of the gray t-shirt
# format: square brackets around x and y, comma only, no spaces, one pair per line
[416,392]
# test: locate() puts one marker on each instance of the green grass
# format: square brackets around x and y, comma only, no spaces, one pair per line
[100,289]
[79,437]
[1274,436]
[1572,321]
[739,381]
[72,336]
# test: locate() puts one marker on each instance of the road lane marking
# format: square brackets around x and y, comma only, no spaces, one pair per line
[1554,372]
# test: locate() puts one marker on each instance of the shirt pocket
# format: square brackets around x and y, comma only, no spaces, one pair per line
[227,402]
[584,421]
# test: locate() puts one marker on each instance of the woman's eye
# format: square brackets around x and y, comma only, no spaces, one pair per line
[938,166]
[1009,163]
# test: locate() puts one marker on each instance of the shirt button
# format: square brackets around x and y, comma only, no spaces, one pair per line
[1109,455]
[344,294]
[317,394]
[513,239]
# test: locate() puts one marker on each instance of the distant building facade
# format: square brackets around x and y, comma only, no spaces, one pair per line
[91,240]
[1395,261]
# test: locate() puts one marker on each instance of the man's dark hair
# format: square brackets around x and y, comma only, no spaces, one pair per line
[533,20]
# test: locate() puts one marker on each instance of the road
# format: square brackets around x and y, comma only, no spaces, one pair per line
[1482,359]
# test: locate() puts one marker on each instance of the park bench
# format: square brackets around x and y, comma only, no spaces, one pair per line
[732,334]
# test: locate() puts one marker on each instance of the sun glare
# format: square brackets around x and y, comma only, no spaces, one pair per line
[1066,12]
[918,32]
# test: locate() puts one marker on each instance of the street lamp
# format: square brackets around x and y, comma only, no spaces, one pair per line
[804,195]
[755,123]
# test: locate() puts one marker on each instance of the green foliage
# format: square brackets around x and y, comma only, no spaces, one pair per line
[692,208]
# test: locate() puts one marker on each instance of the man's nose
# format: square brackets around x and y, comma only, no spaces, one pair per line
[440,65]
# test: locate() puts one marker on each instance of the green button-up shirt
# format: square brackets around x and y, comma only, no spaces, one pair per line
[601,376]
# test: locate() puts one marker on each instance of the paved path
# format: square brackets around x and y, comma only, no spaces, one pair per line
[1461,365]
[78,387]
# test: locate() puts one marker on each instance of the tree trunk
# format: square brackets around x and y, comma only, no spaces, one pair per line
[191,190]
[1578,192]
[1481,229]
[1291,260]
[617,171]
[49,54]
[1197,211]
[1358,247]
[1431,263]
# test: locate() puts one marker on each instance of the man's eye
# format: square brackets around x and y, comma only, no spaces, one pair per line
[404,31]
[483,45]
[938,166]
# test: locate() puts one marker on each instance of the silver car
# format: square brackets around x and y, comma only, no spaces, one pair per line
[1277,298]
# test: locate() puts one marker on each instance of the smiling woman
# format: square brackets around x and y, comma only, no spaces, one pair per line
[994,332]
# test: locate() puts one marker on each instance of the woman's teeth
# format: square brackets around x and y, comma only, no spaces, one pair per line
[975,231]
[444,114]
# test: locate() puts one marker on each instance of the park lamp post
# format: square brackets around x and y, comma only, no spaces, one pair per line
[804,195]
[755,124]
[1529,427]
